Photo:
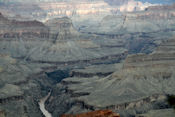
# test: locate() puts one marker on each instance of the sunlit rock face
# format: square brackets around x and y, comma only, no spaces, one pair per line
[154,18]
[50,9]
[129,5]
[100,113]
[45,10]
[75,8]
[91,7]
[132,5]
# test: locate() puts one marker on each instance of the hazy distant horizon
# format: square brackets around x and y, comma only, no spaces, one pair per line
[119,1]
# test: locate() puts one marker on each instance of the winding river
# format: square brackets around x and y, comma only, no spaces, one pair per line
[42,106]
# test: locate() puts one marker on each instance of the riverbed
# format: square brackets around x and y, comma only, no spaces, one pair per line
[42,106]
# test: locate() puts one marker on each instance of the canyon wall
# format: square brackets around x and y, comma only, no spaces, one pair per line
[139,85]
[45,10]
[17,29]
[31,64]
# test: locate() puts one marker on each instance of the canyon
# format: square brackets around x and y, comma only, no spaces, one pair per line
[60,61]
[42,106]
[141,84]
[44,10]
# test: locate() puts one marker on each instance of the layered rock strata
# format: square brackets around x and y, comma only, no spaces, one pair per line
[153,19]
[25,60]
[17,29]
[19,93]
[95,70]
[139,86]
[60,44]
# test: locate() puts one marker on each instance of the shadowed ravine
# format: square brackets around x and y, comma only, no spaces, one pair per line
[42,106]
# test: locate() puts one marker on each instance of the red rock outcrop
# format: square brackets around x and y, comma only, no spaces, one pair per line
[99,113]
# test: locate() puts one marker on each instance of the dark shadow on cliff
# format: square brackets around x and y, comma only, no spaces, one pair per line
[58,75]
[171,100]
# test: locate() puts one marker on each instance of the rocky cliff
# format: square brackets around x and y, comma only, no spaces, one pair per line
[17,29]
[100,113]
[55,42]
[31,65]
[137,87]
[51,9]
[153,19]
[61,29]
[20,87]
[101,70]
[75,8]
[25,60]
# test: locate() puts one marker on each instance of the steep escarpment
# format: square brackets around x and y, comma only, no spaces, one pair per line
[151,20]
[27,60]
[31,64]
[139,86]
[72,8]
[61,29]
[60,44]
[18,29]
[46,10]
[43,10]
[162,57]
[101,70]
[20,87]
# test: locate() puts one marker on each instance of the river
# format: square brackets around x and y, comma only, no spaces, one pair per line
[42,106]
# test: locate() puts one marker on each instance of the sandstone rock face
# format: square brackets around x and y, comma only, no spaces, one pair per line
[100,113]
